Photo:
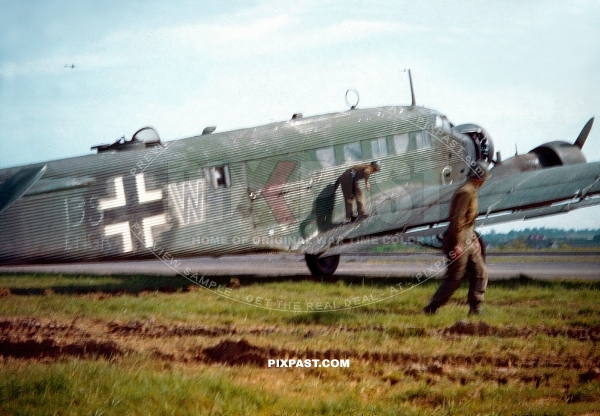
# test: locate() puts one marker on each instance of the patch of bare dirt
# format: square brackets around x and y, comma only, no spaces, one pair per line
[153,329]
[590,375]
[49,348]
[482,328]
[32,338]
[236,353]
[26,328]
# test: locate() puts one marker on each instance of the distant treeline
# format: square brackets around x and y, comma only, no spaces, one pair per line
[550,232]
[543,238]
[527,239]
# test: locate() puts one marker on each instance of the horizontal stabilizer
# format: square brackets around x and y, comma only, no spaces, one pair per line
[15,186]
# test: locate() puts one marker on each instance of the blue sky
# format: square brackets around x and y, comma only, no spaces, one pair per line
[526,71]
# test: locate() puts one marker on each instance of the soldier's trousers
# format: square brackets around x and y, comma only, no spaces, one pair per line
[352,191]
[470,264]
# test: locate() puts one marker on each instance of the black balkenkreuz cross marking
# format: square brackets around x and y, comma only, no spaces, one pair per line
[131,208]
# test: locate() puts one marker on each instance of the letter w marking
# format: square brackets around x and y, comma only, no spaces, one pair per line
[188,201]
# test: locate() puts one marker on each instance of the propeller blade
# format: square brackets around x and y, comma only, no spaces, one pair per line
[584,133]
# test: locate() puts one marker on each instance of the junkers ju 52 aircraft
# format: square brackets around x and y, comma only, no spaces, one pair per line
[272,188]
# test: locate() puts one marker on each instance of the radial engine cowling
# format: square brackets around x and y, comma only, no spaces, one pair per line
[484,146]
[547,155]
[558,153]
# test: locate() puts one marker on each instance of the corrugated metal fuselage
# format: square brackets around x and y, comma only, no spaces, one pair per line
[263,188]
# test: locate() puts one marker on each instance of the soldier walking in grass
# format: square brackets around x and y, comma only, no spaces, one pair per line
[349,180]
[461,245]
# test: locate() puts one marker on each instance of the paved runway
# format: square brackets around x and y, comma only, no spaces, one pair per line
[500,266]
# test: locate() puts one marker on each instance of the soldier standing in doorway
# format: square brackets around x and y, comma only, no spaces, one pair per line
[352,190]
[461,245]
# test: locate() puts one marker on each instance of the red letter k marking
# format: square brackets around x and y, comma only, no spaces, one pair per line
[273,195]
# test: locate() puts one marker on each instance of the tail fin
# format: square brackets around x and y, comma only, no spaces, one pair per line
[15,186]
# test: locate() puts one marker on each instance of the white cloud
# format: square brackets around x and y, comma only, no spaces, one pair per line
[238,41]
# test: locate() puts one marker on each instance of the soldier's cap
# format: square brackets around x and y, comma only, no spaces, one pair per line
[480,170]
[376,164]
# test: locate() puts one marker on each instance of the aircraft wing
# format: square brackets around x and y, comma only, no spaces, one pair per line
[423,210]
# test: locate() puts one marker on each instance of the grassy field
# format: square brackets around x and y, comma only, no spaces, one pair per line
[161,345]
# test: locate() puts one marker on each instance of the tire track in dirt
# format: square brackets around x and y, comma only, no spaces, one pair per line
[32,338]
[50,348]
[242,352]
[481,328]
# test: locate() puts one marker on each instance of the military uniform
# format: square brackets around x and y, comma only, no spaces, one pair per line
[352,190]
[460,233]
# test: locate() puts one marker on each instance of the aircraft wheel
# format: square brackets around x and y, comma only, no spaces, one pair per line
[322,266]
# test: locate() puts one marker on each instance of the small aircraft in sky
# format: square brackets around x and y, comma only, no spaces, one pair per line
[72,66]
[272,188]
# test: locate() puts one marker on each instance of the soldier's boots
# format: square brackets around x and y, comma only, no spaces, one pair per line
[475,309]
[430,309]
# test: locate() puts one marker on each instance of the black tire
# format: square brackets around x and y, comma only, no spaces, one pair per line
[322,266]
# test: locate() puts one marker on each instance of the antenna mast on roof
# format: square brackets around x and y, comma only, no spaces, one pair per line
[412,91]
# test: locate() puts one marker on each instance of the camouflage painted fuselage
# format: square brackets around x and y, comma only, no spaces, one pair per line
[264,188]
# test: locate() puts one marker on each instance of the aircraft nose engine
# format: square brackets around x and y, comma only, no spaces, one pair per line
[484,146]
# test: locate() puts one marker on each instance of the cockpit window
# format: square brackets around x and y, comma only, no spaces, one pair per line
[441,122]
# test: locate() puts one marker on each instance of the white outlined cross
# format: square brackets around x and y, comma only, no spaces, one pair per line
[119,199]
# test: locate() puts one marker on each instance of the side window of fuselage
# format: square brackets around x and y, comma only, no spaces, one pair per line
[401,143]
[422,140]
[352,152]
[218,176]
[326,156]
[379,147]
